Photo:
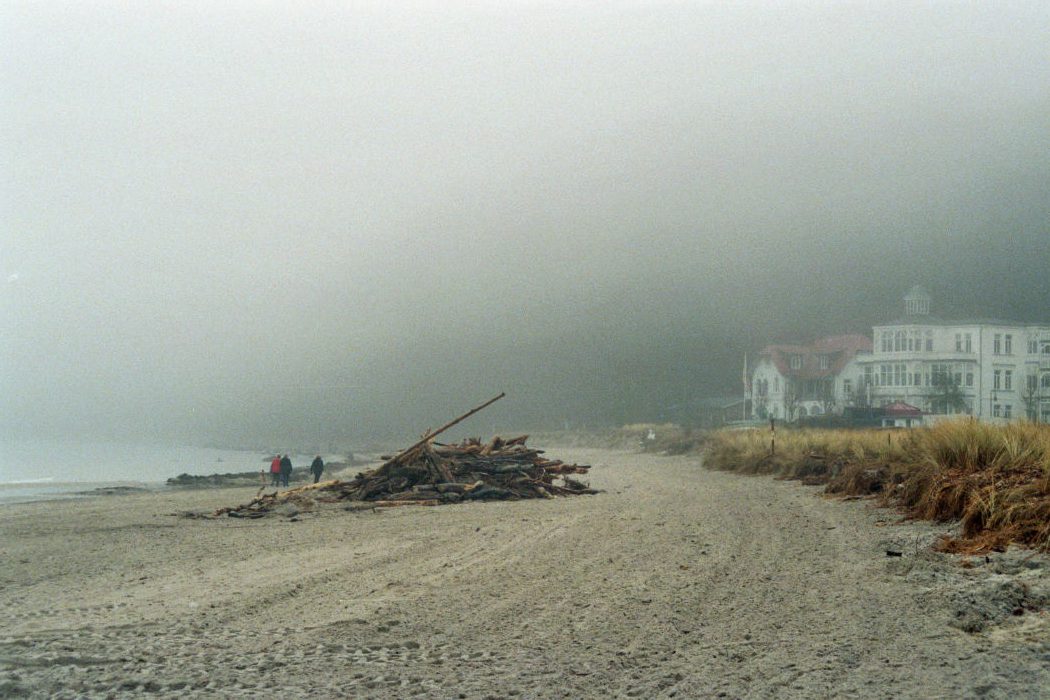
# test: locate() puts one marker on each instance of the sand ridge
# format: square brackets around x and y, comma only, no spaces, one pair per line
[674,582]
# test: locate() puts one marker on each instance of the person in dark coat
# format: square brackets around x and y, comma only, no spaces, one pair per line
[317,468]
[286,470]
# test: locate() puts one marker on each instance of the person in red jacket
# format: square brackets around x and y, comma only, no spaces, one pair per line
[275,471]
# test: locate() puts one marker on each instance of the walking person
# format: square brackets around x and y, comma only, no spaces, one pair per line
[317,468]
[275,471]
[285,470]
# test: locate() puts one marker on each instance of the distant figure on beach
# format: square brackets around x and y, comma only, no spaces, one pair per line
[275,471]
[317,468]
[286,470]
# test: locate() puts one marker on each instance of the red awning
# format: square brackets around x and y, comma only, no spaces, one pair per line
[899,408]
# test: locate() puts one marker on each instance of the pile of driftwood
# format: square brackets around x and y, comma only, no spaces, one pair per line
[431,473]
[289,503]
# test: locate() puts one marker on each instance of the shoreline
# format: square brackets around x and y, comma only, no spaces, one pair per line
[41,492]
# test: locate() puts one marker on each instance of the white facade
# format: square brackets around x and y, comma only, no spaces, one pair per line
[767,391]
[847,383]
[994,370]
[802,381]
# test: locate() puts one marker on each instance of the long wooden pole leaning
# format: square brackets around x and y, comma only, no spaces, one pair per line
[434,433]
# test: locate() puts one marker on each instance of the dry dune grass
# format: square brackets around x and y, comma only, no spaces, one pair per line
[994,479]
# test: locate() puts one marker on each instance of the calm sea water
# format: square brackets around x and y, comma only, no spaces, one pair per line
[36,470]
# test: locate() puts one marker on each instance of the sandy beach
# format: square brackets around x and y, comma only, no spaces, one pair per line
[674,582]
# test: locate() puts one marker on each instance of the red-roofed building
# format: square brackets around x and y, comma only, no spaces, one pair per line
[901,415]
[797,381]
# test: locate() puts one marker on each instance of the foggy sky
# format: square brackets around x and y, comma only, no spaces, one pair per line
[354,219]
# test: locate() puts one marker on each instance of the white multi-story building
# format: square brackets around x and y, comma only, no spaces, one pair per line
[994,370]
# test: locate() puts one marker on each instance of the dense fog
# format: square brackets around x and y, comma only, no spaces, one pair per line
[345,221]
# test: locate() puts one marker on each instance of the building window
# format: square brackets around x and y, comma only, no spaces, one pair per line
[1007,411]
[997,379]
[969,342]
[929,344]
[869,375]
[997,411]
[1008,344]
[917,379]
[847,387]
[1033,346]
[958,342]
[898,341]
[1044,381]
[1008,380]
[1031,383]
[887,341]
[997,344]
[885,373]
[969,379]
[1046,347]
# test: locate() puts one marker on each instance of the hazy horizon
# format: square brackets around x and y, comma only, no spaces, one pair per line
[224,224]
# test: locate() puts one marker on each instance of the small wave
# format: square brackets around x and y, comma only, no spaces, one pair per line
[26,482]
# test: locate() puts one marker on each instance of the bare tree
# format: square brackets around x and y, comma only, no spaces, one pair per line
[827,395]
[1030,396]
[791,400]
[946,394]
[861,396]
[759,406]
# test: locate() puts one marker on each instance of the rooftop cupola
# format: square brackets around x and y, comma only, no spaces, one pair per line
[917,302]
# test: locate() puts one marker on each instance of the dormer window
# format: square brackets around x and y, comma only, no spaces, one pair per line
[796,361]
[823,361]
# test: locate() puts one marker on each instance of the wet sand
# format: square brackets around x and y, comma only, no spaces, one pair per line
[675,582]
